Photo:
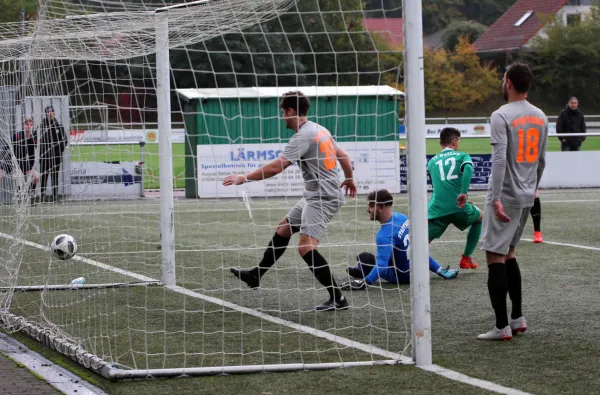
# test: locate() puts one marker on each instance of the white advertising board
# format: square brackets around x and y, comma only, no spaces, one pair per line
[150,136]
[376,166]
[484,129]
[571,170]
[102,179]
[466,129]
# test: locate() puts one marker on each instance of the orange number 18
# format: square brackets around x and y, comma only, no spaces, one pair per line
[326,147]
[528,149]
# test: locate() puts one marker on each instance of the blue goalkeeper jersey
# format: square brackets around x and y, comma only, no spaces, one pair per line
[393,242]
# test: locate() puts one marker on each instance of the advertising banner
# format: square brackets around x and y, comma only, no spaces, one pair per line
[95,179]
[484,129]
[482,167]
[149,136]
[375,166]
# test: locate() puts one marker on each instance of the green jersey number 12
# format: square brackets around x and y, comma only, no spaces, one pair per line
[449,162]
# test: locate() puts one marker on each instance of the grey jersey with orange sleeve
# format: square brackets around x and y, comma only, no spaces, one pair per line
[314,150]
[519,137]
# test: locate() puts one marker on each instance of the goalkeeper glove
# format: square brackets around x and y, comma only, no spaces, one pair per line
[354,285]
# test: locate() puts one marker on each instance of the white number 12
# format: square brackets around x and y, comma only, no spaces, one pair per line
[452,163]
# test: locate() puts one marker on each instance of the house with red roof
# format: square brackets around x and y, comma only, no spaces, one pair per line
[525,20]
[391,29]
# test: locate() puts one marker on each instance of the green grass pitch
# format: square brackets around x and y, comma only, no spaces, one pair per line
[154,327]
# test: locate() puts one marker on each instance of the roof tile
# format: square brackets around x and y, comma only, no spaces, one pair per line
[503,35]
[390,28]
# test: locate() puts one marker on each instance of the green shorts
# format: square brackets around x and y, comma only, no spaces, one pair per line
[462,220]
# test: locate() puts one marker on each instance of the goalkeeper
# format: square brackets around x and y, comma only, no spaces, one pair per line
[392,261]
[450,172]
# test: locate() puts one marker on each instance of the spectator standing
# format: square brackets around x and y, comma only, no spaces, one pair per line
[53,142]
[24,144]
[571,120]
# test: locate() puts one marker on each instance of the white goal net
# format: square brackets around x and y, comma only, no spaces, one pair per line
[158,103]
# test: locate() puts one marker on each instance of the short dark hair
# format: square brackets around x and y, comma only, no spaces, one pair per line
[447,135]
[381,197]
[573,97]
[297,101]
[521,76]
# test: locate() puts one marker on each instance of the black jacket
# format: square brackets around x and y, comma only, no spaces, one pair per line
[53,140]
[24,149]
[571,121]
[6,164]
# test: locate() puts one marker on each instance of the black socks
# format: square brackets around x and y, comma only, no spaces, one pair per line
[514,287]
[536,214]
[274,251]
[498,288]
[318,265]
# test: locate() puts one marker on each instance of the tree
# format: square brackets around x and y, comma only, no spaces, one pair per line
[438,14]
[10,10]
[567,62]
[381,8]
[485,12]
[468,29]
[321,42]
[456,81]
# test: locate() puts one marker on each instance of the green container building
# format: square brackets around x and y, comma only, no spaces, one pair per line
[252,116]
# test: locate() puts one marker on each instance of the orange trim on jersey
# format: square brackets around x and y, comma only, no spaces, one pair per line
[528,120]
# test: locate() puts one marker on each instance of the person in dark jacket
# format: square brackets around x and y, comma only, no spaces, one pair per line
[53,142]
[24,145]
[6,164]
[571,120]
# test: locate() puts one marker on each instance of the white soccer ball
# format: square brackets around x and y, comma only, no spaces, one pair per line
[64,247]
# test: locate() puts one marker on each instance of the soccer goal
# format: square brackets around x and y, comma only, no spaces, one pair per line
[150,293]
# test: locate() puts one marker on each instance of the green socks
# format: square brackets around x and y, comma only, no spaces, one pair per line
[472,238]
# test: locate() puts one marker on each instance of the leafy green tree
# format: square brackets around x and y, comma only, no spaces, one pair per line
[469,29]
[438,14]
[321,42]
[485,12]
[381,8]
[10,10]
[567,62]
[456,81]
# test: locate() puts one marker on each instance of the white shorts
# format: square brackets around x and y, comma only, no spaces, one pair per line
[312,216]
[499,236]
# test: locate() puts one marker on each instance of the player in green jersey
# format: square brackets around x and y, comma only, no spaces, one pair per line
[450,172]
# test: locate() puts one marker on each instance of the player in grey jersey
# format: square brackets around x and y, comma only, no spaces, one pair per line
[317,154]
[519,136]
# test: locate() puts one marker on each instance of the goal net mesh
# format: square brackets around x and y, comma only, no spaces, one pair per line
[92,65]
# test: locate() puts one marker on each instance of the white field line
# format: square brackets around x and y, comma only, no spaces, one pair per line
[87,210]
[582,247]
[487,385]
[456,376]
[184,291]
[62,379]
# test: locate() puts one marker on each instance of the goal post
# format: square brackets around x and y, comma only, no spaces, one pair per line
[165,147]
[417,182]
[150,293]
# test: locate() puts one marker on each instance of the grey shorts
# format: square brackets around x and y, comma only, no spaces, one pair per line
[312,216]
[498,236]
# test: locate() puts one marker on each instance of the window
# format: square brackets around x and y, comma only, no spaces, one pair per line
[573,19]
[524,18]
